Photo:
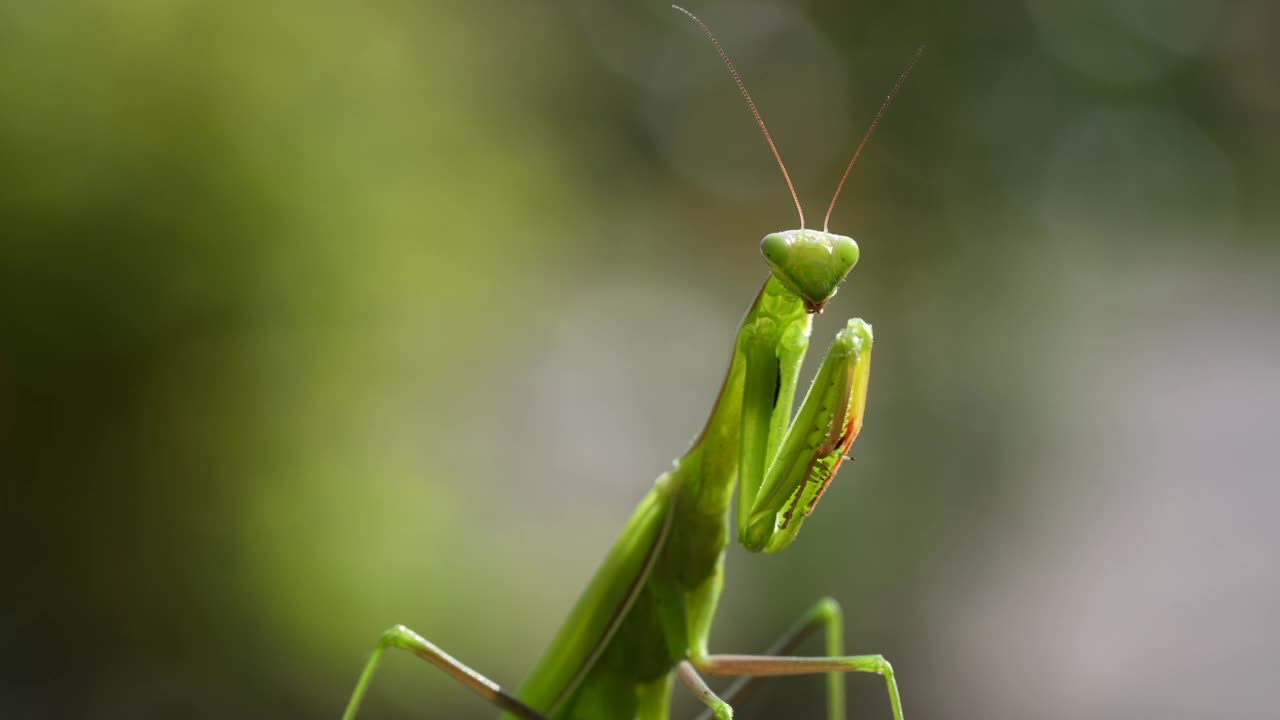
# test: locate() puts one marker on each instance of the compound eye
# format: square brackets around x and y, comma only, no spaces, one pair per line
[847,250]
[774,247]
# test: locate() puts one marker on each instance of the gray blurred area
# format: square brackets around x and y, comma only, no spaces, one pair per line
[320,317]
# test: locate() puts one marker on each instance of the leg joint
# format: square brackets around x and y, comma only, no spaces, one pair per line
[401,637]
[828,608]
[882,666]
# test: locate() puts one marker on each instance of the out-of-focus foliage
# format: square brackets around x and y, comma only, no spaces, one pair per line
[318,317]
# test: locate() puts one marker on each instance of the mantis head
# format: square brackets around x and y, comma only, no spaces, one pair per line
[810,263]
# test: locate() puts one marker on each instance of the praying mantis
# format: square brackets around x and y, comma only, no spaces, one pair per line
[645,617]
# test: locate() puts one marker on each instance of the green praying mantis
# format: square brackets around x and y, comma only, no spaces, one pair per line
[645,617]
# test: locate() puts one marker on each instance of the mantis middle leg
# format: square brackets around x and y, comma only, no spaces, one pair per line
[406,639]
[826,613]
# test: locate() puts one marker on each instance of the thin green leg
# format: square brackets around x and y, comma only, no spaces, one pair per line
[698,686]
[406,639]
[826,613]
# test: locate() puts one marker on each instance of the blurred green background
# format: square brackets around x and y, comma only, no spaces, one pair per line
[319,317]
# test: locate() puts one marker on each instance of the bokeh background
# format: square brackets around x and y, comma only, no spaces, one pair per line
[319,317]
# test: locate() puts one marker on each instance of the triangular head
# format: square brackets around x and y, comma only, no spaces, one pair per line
[810,263]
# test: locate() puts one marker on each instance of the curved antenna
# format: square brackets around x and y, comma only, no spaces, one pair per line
[752,105]
[902,78]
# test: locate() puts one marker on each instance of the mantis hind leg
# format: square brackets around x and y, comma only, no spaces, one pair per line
[406,639]
[826,613]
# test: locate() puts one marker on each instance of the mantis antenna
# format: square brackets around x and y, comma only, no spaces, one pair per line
[754,111]
[902,78]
